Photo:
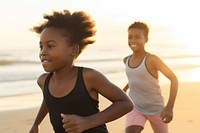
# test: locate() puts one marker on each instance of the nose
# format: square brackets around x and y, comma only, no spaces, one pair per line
[43,52]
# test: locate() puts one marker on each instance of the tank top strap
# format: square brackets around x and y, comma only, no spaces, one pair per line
[127,59]
[80,72]
[47,80]
[145,57]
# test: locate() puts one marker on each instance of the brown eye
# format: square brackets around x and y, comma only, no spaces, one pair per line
[50,46]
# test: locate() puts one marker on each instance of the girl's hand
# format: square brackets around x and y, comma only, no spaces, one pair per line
[74,123]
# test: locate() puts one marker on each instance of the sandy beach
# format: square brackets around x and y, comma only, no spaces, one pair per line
[186,113]
[173,37]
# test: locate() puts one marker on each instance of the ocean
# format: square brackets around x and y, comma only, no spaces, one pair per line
[19,69]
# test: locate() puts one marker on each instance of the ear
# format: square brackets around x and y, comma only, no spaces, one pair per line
[75,50]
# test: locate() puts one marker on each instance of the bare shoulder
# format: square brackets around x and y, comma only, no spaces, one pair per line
[153,58]
[91,73]
[125,59]
[153,61]
[93,77]
[94,80]
[41,79]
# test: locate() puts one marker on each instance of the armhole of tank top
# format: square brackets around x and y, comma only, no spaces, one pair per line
[94,101]
[145,58]
[146,66]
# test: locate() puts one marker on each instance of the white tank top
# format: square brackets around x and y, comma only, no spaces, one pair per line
[144,89]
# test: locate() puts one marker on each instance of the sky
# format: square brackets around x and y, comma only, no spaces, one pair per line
[112,18]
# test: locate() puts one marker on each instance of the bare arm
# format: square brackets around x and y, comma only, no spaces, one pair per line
[40,116]
[121,104]
[126,86]
[42,111]
[167,114]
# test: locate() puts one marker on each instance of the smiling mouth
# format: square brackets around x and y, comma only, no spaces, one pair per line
[132,46]
[45,61]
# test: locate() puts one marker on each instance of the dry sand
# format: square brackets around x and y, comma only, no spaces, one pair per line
[186,113]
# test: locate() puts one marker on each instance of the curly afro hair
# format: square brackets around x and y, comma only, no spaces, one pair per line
[78,26]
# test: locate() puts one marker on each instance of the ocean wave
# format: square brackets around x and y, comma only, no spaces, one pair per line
[100,60]
[11,62]
[15,79]
[4,62]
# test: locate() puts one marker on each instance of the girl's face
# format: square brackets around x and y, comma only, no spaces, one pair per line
[55,52]
[136,39]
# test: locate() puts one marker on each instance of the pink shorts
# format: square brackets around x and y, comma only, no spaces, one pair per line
[136,118]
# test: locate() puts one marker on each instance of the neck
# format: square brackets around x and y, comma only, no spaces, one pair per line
[139,53]
[65,73]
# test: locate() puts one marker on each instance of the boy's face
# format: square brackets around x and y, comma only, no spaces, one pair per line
[55,53]
[136,39]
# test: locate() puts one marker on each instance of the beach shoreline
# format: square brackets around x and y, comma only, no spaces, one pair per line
[186,113]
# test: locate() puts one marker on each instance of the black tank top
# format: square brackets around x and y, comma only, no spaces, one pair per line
[77,102]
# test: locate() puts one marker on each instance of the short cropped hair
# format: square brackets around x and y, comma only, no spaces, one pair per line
[140,25]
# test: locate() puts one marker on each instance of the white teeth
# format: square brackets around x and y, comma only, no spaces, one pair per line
[132,46]
[45,61]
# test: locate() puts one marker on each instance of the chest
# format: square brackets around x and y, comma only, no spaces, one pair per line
[142,64]
[62,88]
[134,62]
